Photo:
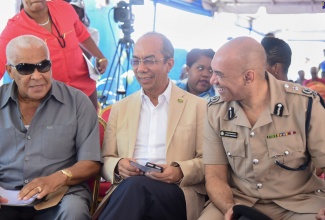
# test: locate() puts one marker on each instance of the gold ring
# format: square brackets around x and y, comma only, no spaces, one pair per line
[39,189]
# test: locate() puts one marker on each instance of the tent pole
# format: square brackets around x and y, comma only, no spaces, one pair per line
[154,15]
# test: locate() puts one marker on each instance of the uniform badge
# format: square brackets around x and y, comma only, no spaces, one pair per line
[230,134]
[295,88]
[307,91]
[213,100]
[278,109]
[231,113]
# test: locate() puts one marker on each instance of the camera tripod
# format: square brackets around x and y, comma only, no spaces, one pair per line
[120,64]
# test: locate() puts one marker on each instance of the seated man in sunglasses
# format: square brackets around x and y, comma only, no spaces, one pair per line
[49,138]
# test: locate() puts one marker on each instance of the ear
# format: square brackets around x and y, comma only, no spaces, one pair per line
[277,68]
[187,68]
[9,71]
[170,64]
[249,76]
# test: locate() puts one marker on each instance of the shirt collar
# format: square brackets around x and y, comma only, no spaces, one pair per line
[11,93]
[8,92]
[165,94]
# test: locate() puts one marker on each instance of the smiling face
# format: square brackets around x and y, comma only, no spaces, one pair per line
[238,68]
[35,86]
[228,78]
[152,77]
[199,75]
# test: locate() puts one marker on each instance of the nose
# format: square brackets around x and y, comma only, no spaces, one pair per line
[36,74]
[206,73]
[141,68]
[214,79]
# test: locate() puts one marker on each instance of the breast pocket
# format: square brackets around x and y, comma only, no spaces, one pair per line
[8,145]
[236,154]
[288,150]
[58,142]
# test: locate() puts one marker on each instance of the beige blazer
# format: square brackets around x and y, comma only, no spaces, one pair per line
[184,140]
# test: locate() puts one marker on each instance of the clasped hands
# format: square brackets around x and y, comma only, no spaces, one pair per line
[170,174]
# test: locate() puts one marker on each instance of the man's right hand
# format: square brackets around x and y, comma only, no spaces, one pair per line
[125,169]
[321,214]
[3,200]
[229,214]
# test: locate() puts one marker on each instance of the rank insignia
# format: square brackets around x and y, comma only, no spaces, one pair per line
[278,109]
[231,113]
[213,100]
[230,134]
[307,91]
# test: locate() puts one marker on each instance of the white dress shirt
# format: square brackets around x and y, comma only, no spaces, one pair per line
[150,145]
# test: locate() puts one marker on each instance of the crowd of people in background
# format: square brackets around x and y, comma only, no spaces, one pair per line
[234,138]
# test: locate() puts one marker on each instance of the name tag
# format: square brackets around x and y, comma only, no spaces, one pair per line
[230,134]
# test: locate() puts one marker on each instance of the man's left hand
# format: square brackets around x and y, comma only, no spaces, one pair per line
[42,186]
[169,175]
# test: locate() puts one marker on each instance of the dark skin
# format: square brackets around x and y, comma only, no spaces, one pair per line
[38,11]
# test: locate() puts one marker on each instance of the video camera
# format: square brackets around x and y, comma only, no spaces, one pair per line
[123,13]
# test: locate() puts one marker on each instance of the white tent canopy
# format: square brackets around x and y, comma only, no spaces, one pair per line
[272,6]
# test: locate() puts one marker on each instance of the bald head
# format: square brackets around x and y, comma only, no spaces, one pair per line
[23,42]
[167,48]
[241,54]
[239,69]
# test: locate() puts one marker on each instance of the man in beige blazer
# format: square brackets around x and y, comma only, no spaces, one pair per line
[161,124]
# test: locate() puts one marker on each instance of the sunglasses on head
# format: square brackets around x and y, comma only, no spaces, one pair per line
[28,68]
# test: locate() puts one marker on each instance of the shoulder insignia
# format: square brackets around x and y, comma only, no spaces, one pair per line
[299,90]
[307,91]
[214,100]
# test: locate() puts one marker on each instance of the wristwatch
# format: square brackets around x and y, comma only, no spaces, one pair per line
[68,174]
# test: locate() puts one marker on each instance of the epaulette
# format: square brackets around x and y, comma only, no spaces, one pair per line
[299,90]
[215,100]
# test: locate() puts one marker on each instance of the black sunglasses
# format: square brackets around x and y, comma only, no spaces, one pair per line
[28,68]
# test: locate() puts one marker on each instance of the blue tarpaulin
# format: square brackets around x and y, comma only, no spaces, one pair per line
[193,7]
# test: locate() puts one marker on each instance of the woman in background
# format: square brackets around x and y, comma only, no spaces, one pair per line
[199,72]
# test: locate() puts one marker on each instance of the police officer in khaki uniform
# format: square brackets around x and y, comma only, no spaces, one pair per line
[255,145]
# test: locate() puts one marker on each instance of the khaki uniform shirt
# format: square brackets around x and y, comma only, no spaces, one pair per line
[279,134]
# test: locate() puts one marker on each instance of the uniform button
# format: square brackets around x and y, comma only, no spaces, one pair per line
[26,181]
[318,191]
[29,137]
[286,152]
[229,154]
[259,185]
[252,134]
[255,161]
[27,159]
